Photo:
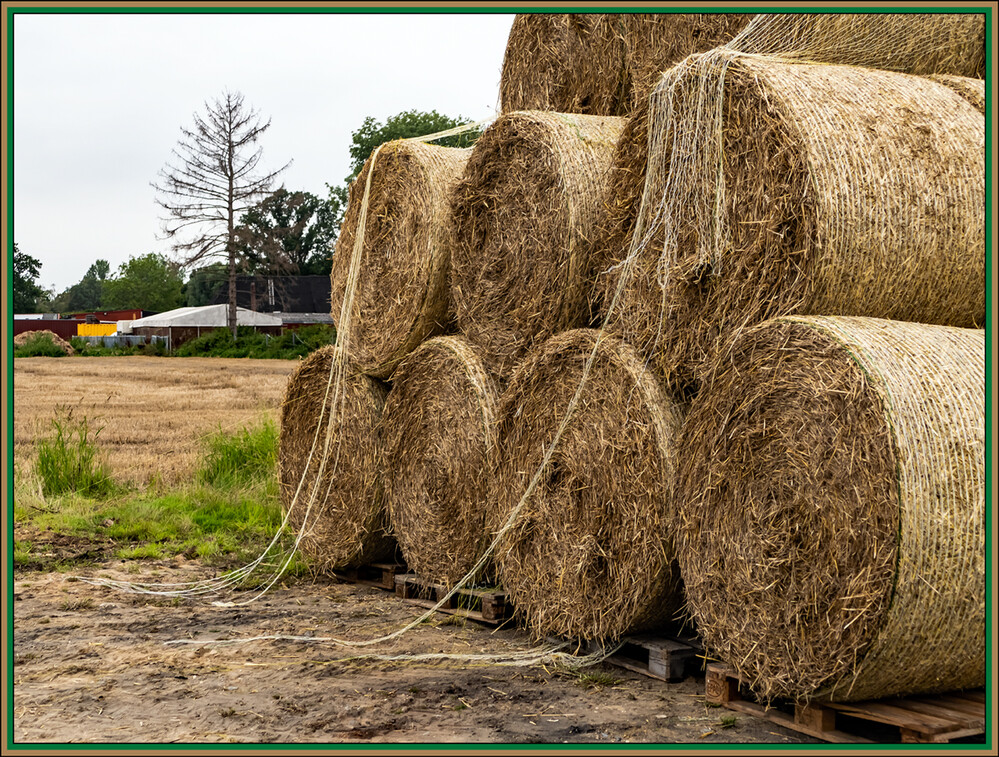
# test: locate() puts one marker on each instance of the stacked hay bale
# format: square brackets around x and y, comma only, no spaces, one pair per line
[400,288]
[589,552]
[523,213]
[811,214]
[832,496]
[601,64]
[330,463]
[439,432]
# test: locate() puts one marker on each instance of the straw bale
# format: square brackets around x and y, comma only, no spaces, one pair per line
[591,553]
[832,497]
[655,42]
[345,524]
[972,90]
[524,213]
[846,191]
[438,428]
[568,63]
[915,43]
[402,290]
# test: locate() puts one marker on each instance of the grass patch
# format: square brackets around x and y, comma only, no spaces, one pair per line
[240,459]
[226,517]
[67,461]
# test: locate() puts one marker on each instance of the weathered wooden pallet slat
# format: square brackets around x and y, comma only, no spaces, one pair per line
[381,575]
[484,605]
[667,659]
[922,719]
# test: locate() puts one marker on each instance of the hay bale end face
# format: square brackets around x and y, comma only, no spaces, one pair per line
[524,212]
[847,191]
[831,491]
[438,428]
[591,553]
[334,494]
[402,287]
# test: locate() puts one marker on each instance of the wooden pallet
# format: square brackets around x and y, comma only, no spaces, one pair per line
[933,719]
[381,575]
[478,604]
[667,659]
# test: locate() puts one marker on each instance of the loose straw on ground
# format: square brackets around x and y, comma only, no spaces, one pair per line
[439,445]
[523,213]
[832,494]
[591,553]
[401,296]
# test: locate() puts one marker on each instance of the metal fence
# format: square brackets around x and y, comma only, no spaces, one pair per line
[125,340]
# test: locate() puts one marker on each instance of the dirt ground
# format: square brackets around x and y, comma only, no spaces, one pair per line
[92,664]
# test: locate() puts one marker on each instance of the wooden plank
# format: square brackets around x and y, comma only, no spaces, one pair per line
[969,707]
[960,718]
[879,712]
[787,721]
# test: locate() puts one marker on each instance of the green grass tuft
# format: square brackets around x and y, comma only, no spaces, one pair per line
[239,459]
[68,462]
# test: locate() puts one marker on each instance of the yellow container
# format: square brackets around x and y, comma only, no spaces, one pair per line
[96,329]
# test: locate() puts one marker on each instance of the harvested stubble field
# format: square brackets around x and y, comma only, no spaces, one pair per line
[92,665]
[154,411]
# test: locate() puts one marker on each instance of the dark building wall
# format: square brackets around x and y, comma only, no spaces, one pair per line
[287,294]
[63,329]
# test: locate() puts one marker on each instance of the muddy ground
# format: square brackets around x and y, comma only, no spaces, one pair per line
[92,664]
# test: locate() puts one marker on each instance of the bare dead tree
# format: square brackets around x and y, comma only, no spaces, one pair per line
[211,182]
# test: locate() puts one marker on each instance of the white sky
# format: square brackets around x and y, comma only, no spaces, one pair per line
[99,101]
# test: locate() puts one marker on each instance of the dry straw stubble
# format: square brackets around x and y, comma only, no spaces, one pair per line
[439,445]
[831,491]
[524,213]
[402,290]
[845,191]
[591,553]
[342,510]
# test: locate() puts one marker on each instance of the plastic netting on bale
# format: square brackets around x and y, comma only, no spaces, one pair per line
[401,295]
[775,186]
[333,494]
[832,497]
[438,428]
[523,214]
[590,554]
[972,90]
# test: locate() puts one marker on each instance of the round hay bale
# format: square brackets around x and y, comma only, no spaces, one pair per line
[402,291]
[914,43]
[832,493]
[524,212]
[591,553]
[346,524]
[438,428]
[655,42]
[972,90]
[568,63]
[844,191]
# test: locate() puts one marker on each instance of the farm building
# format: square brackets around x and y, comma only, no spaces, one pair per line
[183,324]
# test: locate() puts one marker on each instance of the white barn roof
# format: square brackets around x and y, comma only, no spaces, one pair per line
[210,316]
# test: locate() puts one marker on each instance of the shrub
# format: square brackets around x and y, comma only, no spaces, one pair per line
[40,344]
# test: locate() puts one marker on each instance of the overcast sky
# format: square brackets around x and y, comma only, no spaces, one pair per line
[99,101]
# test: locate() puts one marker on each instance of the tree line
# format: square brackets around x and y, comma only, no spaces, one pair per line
[224,219]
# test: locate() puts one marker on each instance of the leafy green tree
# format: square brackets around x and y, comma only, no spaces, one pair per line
[148,282]
[411,123]
[204,284]
[26,290]
[288,233]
